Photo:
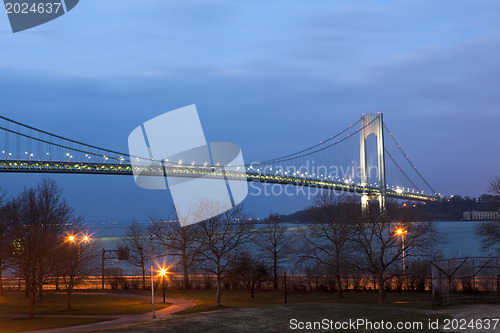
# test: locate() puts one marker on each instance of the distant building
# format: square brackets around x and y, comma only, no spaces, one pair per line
[479,215]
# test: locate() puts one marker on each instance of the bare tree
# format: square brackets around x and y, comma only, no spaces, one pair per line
[179,242]
[489,233]
[382,248]
[494,186]
[250,270]
[78,261]
[220,238]
[330,242]
[5,242]
[136,241]
[274,243]
[39,218]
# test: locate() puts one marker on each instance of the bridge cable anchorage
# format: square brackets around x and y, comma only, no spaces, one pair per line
[316,145]
[401,170]
[408,159]
[316,151]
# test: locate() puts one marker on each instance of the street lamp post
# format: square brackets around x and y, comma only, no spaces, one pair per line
[401,232]
[152,278]
[163,273]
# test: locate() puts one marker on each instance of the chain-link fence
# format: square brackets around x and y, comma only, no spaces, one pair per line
[462,280]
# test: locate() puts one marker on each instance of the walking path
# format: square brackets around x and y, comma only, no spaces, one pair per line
[176,306]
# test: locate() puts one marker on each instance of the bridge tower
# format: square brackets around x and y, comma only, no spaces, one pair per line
[372,124]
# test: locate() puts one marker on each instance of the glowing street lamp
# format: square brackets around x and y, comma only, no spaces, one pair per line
[74,239]
[401,232]
[163,273]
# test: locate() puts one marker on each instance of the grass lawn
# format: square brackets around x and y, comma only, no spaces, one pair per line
[205,299]
[23,324]
[276,318]
[105,304]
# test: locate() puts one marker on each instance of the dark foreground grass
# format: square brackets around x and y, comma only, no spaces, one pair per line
[205,299]
[13,325]
[92,304]
[276,318]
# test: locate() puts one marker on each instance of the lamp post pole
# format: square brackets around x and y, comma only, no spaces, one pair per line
[401,232]
[102,267]
[403,244]
[163,286]
[284,278]
[152,278]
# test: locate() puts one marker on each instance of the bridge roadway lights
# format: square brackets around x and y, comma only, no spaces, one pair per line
[27,166]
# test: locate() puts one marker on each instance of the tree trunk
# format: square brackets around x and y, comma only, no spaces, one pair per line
[1,283]
[219,285]
[275,273]
[381,289]
[69,300]
[143,277]
[340,294]
[32,304]
[339,276]
[40,289]
[186,278]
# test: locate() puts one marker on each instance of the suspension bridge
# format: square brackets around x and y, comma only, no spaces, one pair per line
[341,162]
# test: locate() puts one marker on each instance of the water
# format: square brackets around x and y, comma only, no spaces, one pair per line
[459,237]
[109,235]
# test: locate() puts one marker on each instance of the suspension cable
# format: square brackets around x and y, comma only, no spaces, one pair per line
[316,151]
[63,138]
[408,159]
[401,170]
[316,145]
[57,145]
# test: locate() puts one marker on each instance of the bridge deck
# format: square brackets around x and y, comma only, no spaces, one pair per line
[124,168]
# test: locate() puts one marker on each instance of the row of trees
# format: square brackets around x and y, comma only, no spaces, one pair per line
[489,232]
[38,241]
[41,240]
[340,243]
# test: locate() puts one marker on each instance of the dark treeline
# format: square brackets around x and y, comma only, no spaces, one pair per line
[41,241]
[447,209]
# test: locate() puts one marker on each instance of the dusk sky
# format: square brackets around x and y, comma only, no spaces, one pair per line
[272,76]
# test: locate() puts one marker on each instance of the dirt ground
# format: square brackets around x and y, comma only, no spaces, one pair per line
[274,319]
[476,312]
